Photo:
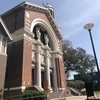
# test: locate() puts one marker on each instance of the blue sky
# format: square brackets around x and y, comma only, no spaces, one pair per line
[71,15]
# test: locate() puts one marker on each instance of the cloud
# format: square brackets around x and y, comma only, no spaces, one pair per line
[76,14]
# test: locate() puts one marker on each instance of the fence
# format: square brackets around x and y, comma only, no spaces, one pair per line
[27,97]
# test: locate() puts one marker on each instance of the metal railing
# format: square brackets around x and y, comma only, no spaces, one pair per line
[26,97]
[63,91]
[57,93]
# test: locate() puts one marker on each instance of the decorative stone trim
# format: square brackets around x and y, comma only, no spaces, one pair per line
[27,14]
[38,42]
[42,68]
[57,52]
[22,34]
[33,66]
[3,54]
[15,88]
[48,29]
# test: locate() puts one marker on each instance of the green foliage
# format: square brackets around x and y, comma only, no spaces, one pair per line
[77,84]
[38,95]
[34,92]
[77,60]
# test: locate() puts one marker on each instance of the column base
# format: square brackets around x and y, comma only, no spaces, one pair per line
[41,88]
[50,89]
[38,88]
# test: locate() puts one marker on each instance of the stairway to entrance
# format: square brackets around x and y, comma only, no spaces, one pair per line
[62,94]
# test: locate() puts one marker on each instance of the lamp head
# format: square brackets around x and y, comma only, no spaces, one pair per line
[88,26]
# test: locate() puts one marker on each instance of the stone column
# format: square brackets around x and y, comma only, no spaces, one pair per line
[48,70]
[39,66]
[54,74]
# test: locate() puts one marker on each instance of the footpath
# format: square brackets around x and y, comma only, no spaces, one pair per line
[76,98]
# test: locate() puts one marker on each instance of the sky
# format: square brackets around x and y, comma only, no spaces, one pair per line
[71,15]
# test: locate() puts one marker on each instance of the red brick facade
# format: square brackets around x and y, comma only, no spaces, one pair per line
[14,64]
[27,64]
[19,62]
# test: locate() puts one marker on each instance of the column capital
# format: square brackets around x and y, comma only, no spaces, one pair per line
[38,43]
[46,47]
[57,54]
[38,49]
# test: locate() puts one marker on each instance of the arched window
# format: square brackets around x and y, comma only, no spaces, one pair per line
[43,32]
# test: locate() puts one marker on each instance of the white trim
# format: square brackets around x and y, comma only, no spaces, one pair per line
[3,54]
[28,24]
[15,88]
[35,5]
[22,34]
[3,44]
[27,20]
[48,28]
[27,27]
[5,28]
[42,68]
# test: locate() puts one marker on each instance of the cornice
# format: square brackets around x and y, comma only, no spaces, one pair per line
[22,34]
[46,47]
[57,52]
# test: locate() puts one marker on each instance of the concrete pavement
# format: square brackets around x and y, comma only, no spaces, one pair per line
[76,98]
[72,98]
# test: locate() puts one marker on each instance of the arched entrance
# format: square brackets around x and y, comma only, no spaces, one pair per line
[44,44]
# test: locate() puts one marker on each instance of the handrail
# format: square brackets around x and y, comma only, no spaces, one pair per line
[61,94]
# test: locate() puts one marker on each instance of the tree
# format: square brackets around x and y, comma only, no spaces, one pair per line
[69,56]
[77,60]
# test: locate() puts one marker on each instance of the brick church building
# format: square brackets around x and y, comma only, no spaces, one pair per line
[34,50]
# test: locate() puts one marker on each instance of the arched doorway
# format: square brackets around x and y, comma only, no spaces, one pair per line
[45,43]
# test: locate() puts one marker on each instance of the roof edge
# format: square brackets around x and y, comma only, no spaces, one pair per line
[5,28]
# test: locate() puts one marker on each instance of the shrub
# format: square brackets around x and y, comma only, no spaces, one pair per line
[38,95]
[77,84]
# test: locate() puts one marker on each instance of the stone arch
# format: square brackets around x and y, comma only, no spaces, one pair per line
[48,29]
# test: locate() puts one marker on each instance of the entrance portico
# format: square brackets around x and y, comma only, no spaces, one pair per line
[43,48]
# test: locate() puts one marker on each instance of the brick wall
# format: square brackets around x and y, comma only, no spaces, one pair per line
[13,18]
[27,64]
[62,74]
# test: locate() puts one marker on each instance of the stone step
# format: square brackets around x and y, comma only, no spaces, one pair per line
[59,99]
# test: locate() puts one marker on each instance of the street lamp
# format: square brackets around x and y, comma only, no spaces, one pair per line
[89,27]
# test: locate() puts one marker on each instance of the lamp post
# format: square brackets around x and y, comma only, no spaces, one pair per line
[89,27]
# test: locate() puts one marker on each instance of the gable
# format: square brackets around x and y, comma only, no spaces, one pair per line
[46,11]
[38,9]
